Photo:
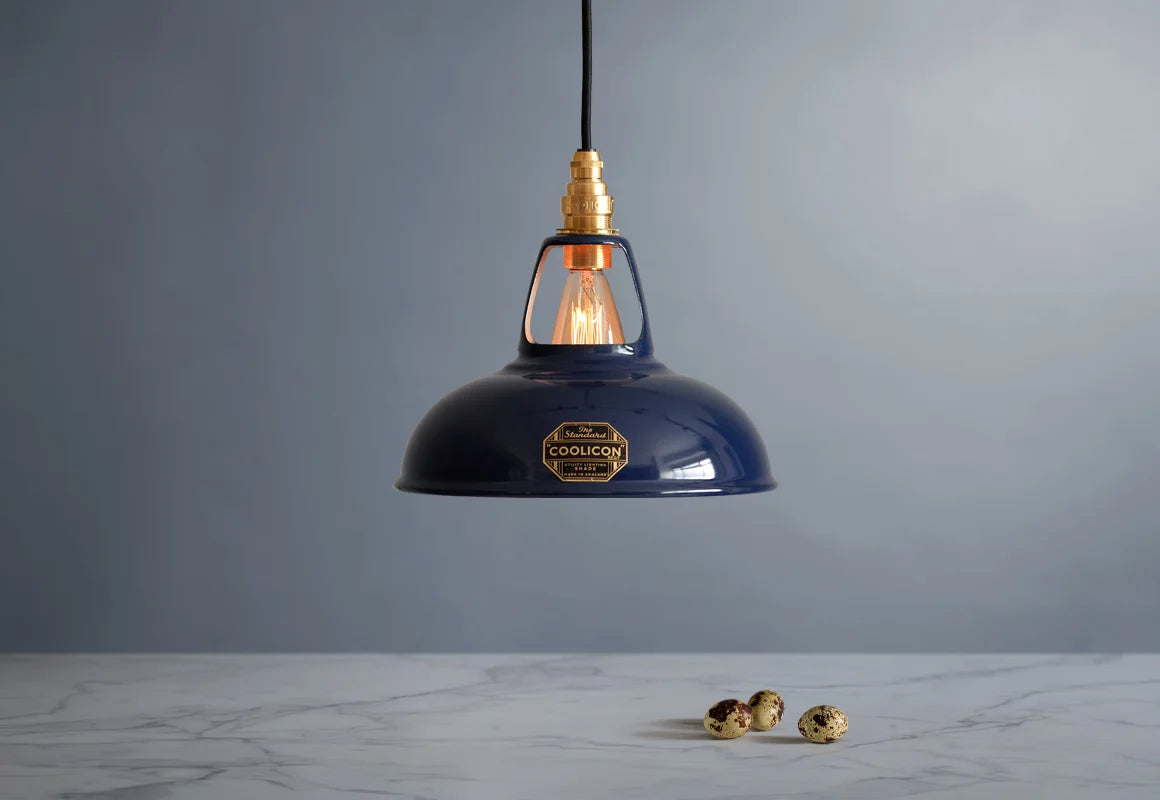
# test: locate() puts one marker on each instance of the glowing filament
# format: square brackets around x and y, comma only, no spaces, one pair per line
[587,312]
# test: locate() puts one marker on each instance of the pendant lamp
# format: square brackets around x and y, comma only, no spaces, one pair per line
[587,414]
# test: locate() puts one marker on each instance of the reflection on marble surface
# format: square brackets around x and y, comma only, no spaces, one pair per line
[542,727]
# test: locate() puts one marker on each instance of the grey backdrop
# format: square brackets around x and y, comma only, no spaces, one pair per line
[245,245]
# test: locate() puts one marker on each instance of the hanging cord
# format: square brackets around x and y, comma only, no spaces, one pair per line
[586,85]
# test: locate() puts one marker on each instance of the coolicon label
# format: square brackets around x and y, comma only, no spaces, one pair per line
[585,451]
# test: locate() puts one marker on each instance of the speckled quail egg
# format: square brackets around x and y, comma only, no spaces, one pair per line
[823,724]
[728,719]
[767,709]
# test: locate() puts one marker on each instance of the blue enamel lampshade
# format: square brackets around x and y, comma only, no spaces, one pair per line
[590,415]
[585,420]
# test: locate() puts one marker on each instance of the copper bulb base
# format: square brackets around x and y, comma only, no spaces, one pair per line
[587,256]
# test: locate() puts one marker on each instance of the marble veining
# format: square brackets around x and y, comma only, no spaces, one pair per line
[233,727]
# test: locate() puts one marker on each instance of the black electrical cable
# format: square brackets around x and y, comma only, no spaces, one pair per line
[586,85]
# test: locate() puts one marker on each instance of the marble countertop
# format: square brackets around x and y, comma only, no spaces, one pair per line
[543,727]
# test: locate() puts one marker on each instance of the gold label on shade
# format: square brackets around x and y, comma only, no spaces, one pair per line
[585,451]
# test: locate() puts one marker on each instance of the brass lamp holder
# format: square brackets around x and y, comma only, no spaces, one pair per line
[587,209]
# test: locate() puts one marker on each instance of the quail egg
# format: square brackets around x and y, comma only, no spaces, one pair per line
[728,719]
[823,724]
[767,709]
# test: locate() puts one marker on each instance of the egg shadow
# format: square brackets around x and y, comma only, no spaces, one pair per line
[778,738]
[687,736]
[688,729]
[677,728]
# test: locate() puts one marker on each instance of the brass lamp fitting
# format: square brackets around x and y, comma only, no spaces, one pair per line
[587,205]
[587,208]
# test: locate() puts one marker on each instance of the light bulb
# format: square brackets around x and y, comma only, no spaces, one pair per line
[587,312]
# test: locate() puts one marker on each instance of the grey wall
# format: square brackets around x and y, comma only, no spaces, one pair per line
[245,245]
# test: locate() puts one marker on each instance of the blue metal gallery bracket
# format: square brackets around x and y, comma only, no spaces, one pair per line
[643,343]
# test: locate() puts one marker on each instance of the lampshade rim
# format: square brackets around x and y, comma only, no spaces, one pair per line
[473,490]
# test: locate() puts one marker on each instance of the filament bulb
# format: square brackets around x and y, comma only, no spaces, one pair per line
[587,312]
